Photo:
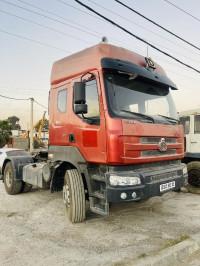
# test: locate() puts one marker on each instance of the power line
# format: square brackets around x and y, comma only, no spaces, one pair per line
[182,10]
[180,38]
[79,10]
[135,36]
[27,99]
[151,32]
[146,29]
[56,20]
[54,14]
[31,40]
[100,34]
[66,34]
[47,27]
[12,98]
[40,104]
[71,52]
[25,89]
[91,29]
[53,29]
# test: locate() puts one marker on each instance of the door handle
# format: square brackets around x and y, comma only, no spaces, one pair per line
[71,138]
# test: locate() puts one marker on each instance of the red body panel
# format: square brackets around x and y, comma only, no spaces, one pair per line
[127,146]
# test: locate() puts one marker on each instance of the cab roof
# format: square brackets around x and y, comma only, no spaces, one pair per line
[90,59]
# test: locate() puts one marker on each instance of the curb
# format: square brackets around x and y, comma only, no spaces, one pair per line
[171,255]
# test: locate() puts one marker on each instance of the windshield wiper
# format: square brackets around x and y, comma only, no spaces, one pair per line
[170,118]
[140,115]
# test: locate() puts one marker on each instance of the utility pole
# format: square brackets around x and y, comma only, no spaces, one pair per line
[31,126]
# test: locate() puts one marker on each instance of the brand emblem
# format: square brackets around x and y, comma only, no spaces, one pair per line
[150,63]
[162,146]
[130,122]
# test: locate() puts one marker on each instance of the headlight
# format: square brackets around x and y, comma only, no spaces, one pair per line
[185,170]
[124,180]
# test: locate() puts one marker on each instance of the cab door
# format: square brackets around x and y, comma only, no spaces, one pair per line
[186,123]
[89,130]
[59,116]
[195,136]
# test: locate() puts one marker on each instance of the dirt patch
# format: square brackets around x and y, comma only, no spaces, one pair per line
[35,231]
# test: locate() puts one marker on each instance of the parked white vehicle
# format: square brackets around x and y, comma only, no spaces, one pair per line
[191,122]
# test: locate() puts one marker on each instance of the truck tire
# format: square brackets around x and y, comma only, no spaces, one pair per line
[26,187]
[74,196]
[194,174]
[12,186]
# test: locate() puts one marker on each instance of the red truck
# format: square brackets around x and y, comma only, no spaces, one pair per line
[113,133]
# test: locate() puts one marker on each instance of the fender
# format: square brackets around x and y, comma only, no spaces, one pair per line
[18,163]
[68,154]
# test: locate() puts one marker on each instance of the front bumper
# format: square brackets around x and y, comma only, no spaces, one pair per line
[150,184]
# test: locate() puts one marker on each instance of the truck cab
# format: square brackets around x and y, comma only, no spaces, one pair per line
[112,118]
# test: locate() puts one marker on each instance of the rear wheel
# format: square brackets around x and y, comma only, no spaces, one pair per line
[74,196]
[12,186]
[194,174]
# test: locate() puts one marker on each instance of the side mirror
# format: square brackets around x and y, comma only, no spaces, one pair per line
[79,98]
[79,92]
[80,109]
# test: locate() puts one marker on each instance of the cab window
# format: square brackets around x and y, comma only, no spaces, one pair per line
[197,124]
[92,99]
[62,101]
[185,122]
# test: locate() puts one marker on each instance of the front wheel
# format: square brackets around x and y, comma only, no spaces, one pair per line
[74,196]
[12,186]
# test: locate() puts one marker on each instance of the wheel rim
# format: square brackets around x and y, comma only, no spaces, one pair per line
[194,178]
[8,179]
[66,196]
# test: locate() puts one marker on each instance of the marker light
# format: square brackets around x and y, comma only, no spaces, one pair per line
[134,195]
[123,195]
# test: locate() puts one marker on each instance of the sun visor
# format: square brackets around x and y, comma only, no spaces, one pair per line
[129,67]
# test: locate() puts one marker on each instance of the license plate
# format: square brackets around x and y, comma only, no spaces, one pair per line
[167,186]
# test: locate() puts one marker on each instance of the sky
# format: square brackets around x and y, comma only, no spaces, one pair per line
[57,28]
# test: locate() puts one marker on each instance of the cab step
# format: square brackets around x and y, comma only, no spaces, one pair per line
[99,207]
[98,178]
[100,194]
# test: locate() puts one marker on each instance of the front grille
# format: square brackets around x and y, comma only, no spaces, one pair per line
[156,165]
[164,176]
[157,153]
[155,140]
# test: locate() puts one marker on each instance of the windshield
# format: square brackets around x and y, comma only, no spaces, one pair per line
[128,96]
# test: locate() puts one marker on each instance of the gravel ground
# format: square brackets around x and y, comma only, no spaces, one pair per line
[193,260]
[35,231]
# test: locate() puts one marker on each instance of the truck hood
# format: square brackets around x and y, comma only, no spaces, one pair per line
[135,142]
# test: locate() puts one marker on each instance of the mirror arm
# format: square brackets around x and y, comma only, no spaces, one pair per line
[92,75]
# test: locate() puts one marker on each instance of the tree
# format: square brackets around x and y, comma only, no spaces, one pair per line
[5,132]
[14,122]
